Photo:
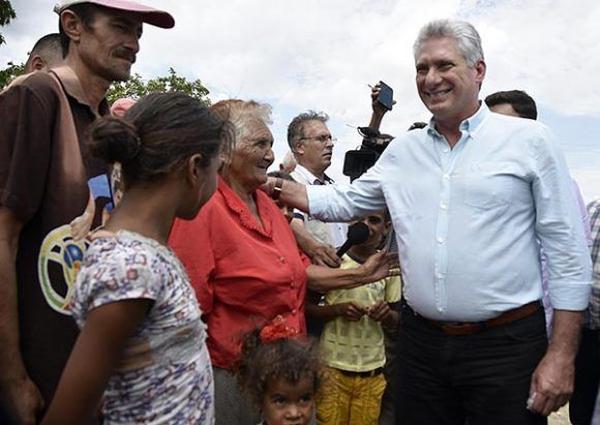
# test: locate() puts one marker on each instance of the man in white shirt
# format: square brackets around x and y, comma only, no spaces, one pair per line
[312,146]
[470,195]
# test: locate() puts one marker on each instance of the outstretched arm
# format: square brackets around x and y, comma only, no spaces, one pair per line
[290,193]
[93,360]
[377,267]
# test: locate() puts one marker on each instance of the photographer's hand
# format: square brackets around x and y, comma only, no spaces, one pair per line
[378,109]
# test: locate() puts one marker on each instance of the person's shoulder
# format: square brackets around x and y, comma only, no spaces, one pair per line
[522,134]
[508,123]
[210,216]
[401,145]
[119,253]
[37,81]
[105,245]
[269,204]
[216,206]
[38,84]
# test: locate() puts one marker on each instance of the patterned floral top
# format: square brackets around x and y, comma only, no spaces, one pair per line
[165,376]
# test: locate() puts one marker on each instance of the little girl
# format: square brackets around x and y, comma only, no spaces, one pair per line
[280,373]
[141,354]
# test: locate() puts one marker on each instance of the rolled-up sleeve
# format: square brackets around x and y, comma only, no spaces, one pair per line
[559,227]
[345,202]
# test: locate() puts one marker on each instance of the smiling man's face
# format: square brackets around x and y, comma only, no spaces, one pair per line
[447,84]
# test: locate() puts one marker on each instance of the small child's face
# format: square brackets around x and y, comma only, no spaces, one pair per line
[289,404]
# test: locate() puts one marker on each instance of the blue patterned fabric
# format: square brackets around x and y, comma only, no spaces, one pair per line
[165,376]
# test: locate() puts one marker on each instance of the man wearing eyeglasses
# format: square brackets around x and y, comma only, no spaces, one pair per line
[312,145]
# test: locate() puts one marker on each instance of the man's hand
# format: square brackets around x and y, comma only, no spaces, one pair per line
[321,254]
[350,311]
[378,109]
[553,379]
[551,384]
[292,194]
[324,255]
[22,401]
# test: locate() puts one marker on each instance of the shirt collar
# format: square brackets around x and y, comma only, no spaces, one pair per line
[304,172]
[72,86]
[469,125]
[239,207]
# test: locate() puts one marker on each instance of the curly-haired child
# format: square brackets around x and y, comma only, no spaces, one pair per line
[280,373]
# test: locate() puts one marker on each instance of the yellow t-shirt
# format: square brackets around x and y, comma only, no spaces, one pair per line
[357,346]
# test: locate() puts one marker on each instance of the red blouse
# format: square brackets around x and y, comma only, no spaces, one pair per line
[244,274]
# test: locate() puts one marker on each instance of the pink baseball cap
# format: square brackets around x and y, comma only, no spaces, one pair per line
[152,16]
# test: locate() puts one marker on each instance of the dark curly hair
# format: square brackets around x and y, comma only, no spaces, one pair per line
[291,359]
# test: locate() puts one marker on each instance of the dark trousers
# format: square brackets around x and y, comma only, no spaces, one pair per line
[480,379]
[587,378]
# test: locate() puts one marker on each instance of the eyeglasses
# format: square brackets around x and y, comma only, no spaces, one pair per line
[323,139]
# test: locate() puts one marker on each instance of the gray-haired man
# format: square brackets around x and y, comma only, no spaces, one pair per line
[469,196]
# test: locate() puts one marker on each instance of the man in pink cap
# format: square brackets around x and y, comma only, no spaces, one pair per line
[52,191]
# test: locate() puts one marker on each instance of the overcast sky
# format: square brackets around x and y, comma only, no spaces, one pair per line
[309,54]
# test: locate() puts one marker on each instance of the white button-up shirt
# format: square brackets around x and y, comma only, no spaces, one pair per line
[334,234]
[467,218]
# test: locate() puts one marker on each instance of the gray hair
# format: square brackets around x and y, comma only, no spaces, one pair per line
[466,36]
[239,112]
[296,127]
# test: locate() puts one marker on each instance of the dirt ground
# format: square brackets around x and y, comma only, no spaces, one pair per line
[561,417]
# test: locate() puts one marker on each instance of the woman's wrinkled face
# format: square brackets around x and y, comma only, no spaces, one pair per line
[252,155]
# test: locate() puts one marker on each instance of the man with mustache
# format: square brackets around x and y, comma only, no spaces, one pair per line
[47,180]
[470,195]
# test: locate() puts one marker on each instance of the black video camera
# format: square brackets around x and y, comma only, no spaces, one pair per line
[356,162]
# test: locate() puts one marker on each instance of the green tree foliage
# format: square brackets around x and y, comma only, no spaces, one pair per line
[6,14]
[7,74]
[136,87]
[11,71]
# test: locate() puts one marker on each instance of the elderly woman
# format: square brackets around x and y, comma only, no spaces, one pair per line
[243,260]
